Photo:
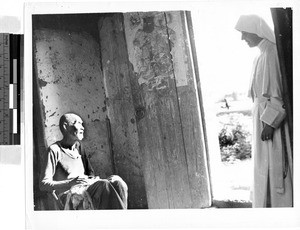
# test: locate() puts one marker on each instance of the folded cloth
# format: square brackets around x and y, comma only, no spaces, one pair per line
[78,198]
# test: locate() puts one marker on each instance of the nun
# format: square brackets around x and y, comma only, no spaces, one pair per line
[272,181]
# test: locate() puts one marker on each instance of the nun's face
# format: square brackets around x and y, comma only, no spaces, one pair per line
[251,39]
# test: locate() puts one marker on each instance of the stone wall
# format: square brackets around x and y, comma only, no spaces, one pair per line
[70,79]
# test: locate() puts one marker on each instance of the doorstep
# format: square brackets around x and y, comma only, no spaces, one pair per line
[231,204]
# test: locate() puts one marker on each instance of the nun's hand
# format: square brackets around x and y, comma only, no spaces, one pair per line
[267,133]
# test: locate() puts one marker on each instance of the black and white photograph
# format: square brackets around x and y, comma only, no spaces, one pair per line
[160,115]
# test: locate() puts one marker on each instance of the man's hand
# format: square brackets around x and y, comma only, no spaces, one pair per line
[267,133]
[78,180]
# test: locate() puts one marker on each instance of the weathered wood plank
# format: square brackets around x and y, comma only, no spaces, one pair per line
[160,134]
[192,126]
[127,159]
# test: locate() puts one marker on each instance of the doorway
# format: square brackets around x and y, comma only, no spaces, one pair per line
[225,64]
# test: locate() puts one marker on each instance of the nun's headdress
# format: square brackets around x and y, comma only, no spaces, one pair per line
[255,25]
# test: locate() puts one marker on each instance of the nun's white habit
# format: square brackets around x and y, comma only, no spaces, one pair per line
[272,163]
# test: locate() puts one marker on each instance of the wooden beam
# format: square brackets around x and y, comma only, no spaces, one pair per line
[121,113]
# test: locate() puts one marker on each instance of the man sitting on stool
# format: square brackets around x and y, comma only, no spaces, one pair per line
[69,174]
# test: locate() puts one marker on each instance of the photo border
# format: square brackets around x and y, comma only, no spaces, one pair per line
[167,218]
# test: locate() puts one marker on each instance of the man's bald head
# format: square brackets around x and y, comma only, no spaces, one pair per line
[66,120]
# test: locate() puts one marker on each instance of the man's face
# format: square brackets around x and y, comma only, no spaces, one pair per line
[75,128]
[251,39]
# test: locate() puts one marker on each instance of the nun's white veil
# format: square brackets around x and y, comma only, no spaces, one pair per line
[255,25]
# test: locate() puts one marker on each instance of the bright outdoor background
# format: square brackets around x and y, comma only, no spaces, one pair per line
[225,64]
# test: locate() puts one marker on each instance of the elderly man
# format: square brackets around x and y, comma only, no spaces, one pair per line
[272,174]
[69,174]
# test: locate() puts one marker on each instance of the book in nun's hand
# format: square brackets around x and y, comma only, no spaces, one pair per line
[273,115]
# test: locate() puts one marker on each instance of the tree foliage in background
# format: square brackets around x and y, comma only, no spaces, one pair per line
[234,142]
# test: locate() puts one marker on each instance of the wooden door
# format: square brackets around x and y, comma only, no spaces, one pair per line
[120,109]
[154,108]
